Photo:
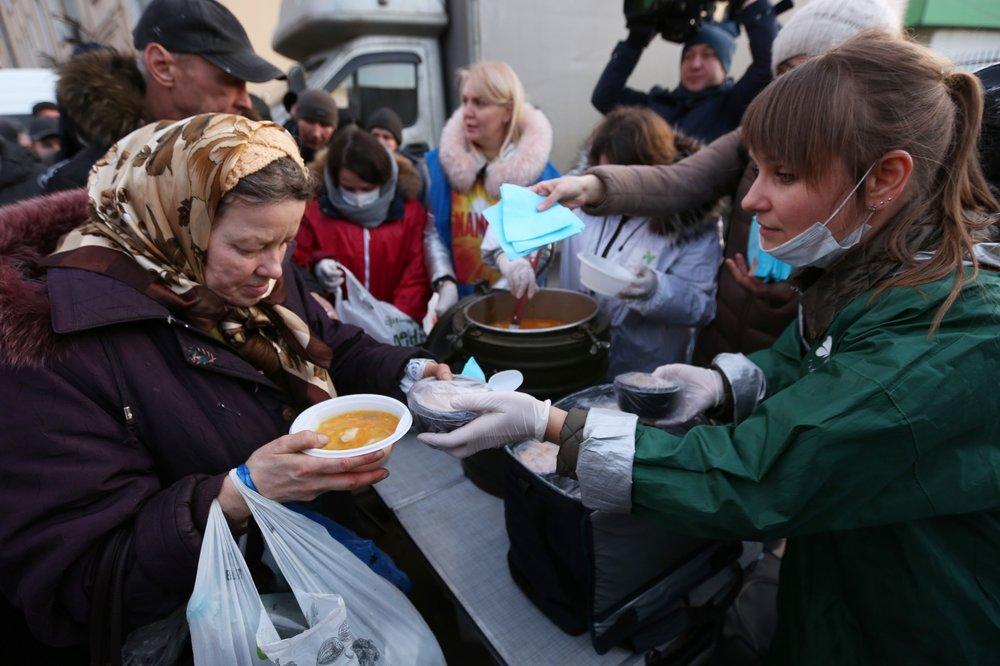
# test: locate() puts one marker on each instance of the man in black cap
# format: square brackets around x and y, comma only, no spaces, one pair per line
[315,121]
[193,56]
[44,133]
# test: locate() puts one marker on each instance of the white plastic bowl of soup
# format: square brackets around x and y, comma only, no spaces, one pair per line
[355,424]
[603,275]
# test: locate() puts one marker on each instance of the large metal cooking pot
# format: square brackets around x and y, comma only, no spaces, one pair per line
[555,361]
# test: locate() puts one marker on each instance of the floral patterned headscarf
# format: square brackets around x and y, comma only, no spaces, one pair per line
[153,199]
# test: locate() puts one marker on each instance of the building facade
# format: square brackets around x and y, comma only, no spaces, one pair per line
[39,33]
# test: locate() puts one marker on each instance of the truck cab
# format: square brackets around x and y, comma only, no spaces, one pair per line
[368,54]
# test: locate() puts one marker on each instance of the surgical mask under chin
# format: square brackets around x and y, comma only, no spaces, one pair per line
[359,199]
[816,246]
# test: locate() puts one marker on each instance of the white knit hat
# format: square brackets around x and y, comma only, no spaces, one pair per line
[822,24]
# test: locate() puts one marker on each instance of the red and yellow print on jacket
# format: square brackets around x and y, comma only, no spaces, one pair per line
[468,226]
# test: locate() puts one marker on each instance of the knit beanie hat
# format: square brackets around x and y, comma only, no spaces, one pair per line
[822,24]
[387,119]
[314,104]
[721,37]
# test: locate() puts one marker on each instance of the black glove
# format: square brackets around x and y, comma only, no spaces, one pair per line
[639,37]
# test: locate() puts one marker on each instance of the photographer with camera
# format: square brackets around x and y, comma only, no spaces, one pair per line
[707,103]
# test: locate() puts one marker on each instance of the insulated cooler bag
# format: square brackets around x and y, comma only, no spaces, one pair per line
[626,580]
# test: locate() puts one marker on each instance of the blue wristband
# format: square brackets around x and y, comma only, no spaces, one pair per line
[244,473]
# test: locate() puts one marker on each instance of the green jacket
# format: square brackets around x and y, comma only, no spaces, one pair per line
[877,453]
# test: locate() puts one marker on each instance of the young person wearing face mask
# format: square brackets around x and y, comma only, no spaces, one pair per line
[367,217]
[753,306]
[867,434]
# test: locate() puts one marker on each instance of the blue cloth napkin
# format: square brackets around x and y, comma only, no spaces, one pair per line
[521,229]
[472,370]
[768,268]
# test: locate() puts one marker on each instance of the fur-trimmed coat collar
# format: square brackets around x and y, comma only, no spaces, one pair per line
[29,231]
[522,164]
[103,95]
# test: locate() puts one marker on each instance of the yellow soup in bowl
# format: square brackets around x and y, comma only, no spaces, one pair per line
[352,430]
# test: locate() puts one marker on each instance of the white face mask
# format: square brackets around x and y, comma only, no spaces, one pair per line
[816,246]
[359,200]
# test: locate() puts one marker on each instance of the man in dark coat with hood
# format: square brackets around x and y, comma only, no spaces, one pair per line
[193,56]
[707,103]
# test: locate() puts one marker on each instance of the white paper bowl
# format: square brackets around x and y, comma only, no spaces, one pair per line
[312,417]
[603,275]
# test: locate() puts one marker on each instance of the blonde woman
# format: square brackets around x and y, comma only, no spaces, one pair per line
[494,137]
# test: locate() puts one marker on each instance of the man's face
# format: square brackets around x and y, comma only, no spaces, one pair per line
[47,147]
[314,134]
[201,87]
[387,138]
[701,68]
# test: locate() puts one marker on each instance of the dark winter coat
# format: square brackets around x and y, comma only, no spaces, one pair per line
[124,415]
[19,171]
[704,115]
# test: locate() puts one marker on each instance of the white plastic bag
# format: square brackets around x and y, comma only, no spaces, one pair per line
[383,321]
[354,615]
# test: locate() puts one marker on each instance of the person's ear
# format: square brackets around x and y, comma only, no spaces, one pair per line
[888,179]
[161,65]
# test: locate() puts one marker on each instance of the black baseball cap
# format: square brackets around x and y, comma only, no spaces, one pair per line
[40,128]
[205,28]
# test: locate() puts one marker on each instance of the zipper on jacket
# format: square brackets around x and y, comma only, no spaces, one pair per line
[367,236]
[614,236]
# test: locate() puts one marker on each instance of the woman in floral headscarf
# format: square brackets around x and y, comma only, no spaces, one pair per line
[162,344]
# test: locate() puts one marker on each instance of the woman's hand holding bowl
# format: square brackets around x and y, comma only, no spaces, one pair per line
[283,473]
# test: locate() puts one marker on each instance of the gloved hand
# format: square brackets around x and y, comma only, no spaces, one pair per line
[519,274]
[508,417]
[447,296]
[701,389]
[640,36]
[328,272]
[643,286]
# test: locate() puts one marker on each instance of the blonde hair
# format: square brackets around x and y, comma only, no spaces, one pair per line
[500,85]
[874,93]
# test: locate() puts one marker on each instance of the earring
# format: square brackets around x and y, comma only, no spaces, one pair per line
[872,207]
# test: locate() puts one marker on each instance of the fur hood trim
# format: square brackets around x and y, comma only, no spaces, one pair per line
[103,95]
[521,166]
[408,181]
[29,231]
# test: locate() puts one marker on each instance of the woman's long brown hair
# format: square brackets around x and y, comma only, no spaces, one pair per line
[872,94]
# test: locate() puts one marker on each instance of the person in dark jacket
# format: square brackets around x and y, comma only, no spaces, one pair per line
[19,171]
[164,342]
[192,56]
[707,103]
[313,122]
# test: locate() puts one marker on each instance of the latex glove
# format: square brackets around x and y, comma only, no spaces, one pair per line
[447,296]
[519,274]
[701,390]
[509,417]
[643,286]
[328,272]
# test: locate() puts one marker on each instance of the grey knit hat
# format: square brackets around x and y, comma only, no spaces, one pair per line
[822,24]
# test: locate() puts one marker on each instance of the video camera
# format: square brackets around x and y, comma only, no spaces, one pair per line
[678,20]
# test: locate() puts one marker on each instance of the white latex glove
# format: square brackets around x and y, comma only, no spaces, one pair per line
[701,390]
[328,272]
[643,285]
[519,274]
[447,296]
[509,417]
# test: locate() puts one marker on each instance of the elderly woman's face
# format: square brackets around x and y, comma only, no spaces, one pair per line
[247,247]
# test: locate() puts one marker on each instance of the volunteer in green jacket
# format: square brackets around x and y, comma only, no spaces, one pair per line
[869,434]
